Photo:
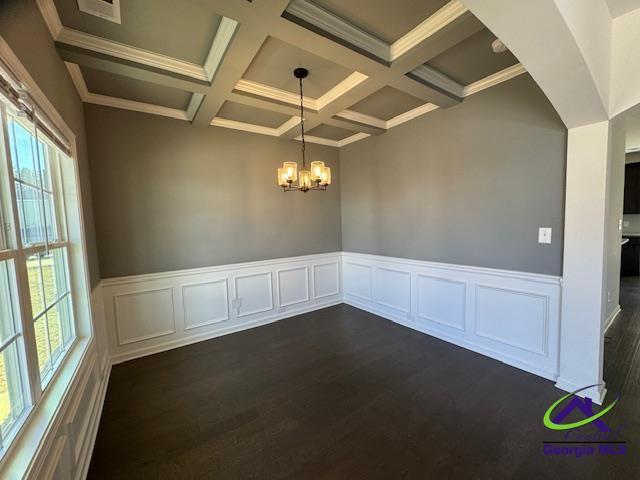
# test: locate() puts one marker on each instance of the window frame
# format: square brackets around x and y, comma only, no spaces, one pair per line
[33,383]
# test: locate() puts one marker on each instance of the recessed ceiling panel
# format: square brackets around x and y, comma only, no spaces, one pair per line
[472,59]
[276,60]
[332,133]
[110,84]
[387,103]
[384,19]
[256,116]
[182,30]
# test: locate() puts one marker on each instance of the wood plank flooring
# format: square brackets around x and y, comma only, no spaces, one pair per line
[343,394]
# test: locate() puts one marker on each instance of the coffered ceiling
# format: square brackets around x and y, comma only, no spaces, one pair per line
[373,64]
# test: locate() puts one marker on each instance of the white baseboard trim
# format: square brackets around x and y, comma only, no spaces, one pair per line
[596,393]
[612,318]
[494,354]
[170,345]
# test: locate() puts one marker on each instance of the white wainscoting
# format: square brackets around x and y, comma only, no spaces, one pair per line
[510,316]
[146,314]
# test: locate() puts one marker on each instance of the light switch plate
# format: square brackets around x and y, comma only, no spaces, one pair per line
[544,235]
[625,223]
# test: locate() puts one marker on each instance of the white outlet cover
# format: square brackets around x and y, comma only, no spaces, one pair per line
[544,235]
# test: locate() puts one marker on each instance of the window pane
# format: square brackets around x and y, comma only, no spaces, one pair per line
[31,216]
[36,288]
[25,166]
[11,394]
[50,217]
[54,274]
[12,402]
[42,345]
[8,314]
[66,319]
[55,332]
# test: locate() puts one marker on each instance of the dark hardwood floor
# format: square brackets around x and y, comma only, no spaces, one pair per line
[343,394]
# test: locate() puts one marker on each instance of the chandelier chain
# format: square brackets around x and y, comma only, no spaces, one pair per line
[302,124]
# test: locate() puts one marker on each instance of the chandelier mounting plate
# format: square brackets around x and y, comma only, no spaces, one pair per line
[300,72]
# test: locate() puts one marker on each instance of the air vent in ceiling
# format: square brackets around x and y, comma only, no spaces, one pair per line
[106,9]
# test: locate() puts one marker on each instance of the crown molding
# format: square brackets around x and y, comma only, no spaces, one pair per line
[78,80]
[352,139]
[392,122]
[76,38]
[443,17]
[50,16]
[432,76]
[194,104]
[288,125]
[316,104]
[134,106]
[411,114]
[132,54]
[219,46]
[335,26]
[245,127]
[121,103]
[498,77]
[250,127]
[319,141]
[262,90]
[352,81]
[363,118]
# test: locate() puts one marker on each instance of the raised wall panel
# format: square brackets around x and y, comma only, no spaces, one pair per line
[293,286]
[326,280]
[144,315]
[205,303]
[254,292]
[357,280]
[515,318]
[441,300]
[393,289]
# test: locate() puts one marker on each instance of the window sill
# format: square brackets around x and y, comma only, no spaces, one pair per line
[21,455]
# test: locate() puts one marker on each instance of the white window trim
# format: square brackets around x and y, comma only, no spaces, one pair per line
[45,417]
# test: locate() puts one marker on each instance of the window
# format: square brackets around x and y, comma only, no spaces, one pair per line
[37,326]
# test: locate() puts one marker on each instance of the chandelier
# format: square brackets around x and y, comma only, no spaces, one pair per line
[318,176]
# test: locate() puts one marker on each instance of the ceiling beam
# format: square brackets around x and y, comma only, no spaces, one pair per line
[256,20]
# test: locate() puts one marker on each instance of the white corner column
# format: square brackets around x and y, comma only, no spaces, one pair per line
[591,158]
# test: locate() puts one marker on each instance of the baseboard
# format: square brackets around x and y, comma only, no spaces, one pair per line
[513,362]
[87,452]
[612,318]
[596,393]
[170,345]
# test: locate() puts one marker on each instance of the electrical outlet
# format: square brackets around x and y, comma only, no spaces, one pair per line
[236,303]
[626,223]
[544,235]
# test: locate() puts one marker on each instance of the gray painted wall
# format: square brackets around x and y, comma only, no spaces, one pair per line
[467,185]
[23,28]
[170,196]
